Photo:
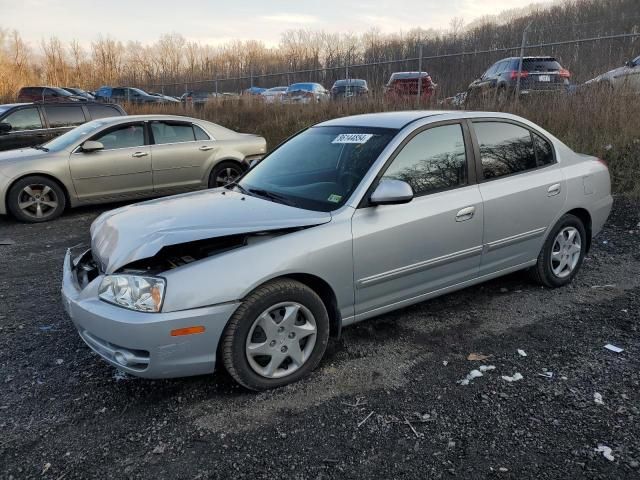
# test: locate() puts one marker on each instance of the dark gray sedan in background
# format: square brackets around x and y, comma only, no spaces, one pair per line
[347,220]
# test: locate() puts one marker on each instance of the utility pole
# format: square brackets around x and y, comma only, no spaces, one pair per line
[419,73]
[524,44]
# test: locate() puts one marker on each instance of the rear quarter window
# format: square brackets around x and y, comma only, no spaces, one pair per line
[102,111]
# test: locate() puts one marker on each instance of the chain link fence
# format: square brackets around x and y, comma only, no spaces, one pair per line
[453,72]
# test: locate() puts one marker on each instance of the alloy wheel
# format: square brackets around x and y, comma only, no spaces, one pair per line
[227,175]
[565,252]
[38,201]
[281,340]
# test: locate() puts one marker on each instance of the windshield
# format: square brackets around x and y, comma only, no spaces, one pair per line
[318,169]
[72,136]
[301,86]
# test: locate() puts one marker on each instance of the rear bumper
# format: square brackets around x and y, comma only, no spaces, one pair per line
[141,343]
[600,211]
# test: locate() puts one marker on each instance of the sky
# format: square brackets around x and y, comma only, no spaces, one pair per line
[216,22]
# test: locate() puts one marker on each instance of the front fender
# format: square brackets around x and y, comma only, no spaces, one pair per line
[324,251]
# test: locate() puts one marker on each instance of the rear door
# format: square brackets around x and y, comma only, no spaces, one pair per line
[122,169]
[27,129]
[62,118]
[522,187]
[180,152]
[404,251]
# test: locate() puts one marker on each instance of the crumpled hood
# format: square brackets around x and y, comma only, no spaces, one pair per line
[139,231]
[13,156]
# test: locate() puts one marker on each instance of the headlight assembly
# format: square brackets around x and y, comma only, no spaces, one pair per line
[144,294]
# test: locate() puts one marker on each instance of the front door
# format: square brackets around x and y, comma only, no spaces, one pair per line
[26,129]
[122,169]
[523,189]
[434,241]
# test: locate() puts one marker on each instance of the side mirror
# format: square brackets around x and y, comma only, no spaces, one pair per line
[391,192]
[91,146]
[5,127]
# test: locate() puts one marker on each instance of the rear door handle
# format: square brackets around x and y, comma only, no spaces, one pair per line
[553,190]
[139,154]
[205,148]
[465,214]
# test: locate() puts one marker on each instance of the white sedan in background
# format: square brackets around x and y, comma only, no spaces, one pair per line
[274,95]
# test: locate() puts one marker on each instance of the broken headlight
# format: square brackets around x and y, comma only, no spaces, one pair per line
[144,294]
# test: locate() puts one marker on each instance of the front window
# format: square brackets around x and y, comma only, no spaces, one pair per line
[432,160]
[318,169]
[24,119]
[123,136]
[72,136]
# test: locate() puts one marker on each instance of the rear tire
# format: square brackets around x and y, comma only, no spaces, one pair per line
[562,253]
[224,173]
[277,336]
[36,199]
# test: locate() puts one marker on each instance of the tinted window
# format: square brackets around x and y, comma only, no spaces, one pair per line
[172,132]
[540,65]
[126,136]
[25,119]
[64,116]
[117,92]
[432,160]
[491,70]
[544,150]
[200,133]
[102,111]
[504,148]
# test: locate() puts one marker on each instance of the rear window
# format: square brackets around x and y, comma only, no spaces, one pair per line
[540,65]
[166,132]
[64,116]
[102,111]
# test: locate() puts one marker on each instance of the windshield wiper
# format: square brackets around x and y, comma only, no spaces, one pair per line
[40,147]
[238,186]
[271,196]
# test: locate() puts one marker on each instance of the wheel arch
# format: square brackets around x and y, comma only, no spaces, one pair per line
[65,190]
[324,291]
[226,158]
[585,217]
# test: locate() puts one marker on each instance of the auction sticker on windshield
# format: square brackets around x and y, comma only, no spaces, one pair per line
[335,198]
[352,138]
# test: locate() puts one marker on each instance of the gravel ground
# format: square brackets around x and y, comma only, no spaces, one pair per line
[384,403]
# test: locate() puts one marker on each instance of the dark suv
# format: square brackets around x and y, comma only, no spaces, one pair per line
[125,94]
[29,124]
[538,75]
[48,95]
[352,87]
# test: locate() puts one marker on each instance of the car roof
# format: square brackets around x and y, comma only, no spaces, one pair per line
[13,105]
[395,120]
[399,120]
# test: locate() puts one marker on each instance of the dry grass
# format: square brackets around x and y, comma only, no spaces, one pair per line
[605,125]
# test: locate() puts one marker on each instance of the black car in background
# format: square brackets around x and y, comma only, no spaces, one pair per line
[538,75]
[352,87]
[29,124]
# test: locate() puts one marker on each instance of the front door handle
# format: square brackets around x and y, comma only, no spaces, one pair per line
[139,154]
[553,190]
[206,148]
[465,214]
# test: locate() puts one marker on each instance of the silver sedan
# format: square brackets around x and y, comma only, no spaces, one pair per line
[122,158]
[347,220]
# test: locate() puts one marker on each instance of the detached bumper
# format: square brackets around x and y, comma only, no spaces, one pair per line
[141,343]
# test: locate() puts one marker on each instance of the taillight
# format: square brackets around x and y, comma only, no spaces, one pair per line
[523,74]
[564,73]
[603,162]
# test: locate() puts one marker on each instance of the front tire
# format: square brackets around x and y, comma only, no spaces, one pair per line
[276,337]
[562,253]
[36,199]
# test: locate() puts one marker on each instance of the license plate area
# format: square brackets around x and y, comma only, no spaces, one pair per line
[544,78]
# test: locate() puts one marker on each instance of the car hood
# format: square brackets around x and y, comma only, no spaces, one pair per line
[139,231]
[13,156]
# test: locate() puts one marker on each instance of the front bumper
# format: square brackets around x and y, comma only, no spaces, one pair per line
[141,343]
